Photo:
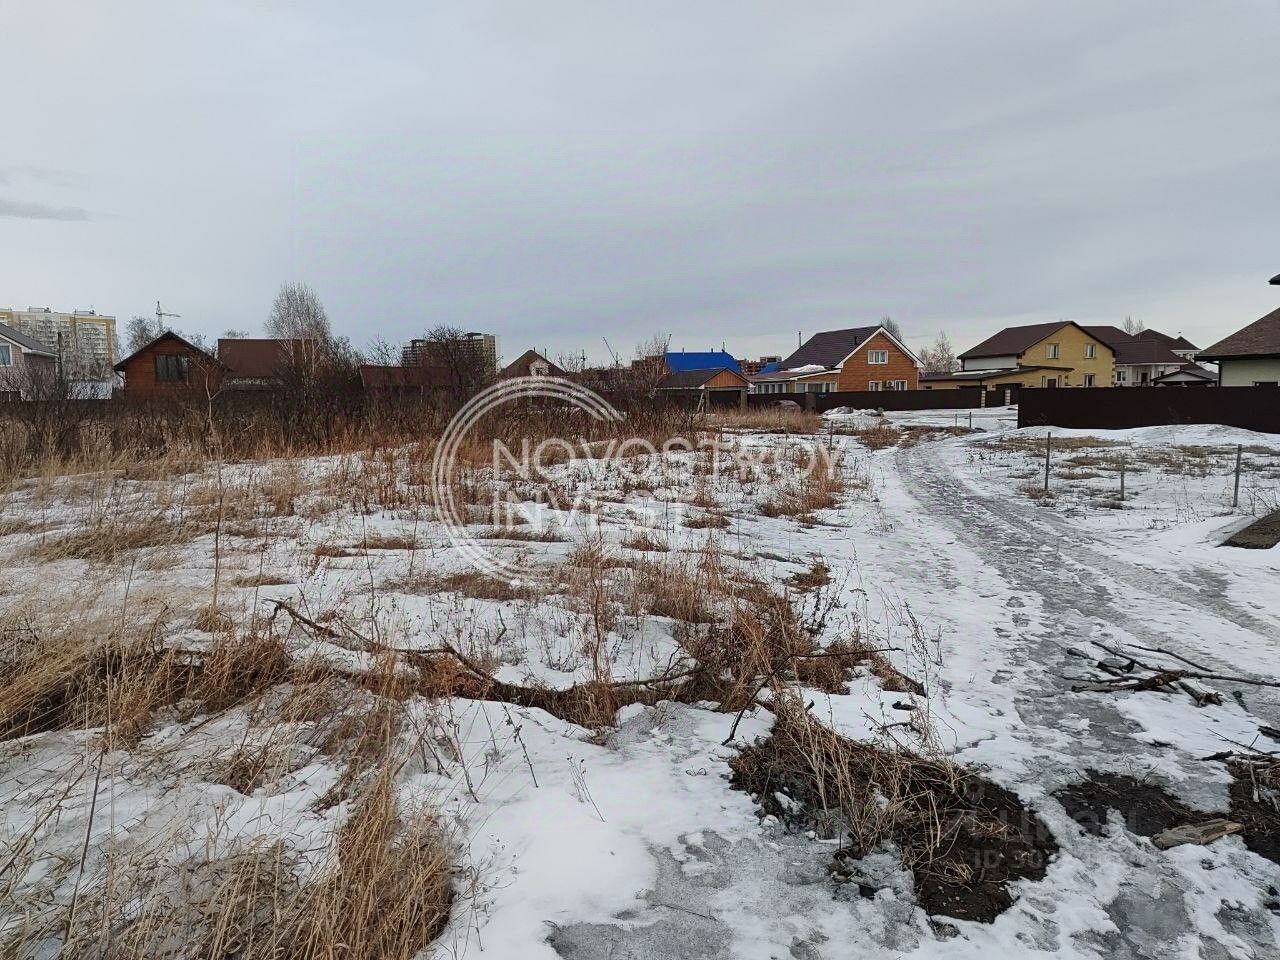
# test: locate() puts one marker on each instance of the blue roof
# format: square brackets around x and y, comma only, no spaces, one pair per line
[701,360]
[771,366]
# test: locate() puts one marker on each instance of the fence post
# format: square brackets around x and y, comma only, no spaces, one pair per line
[1048,447]
[742,399]
[1122,462]
[1235,496]
[971,419]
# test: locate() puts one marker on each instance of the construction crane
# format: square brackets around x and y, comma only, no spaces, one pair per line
[160,317]
[613,353]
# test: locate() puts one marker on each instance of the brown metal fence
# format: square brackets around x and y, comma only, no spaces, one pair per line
[964,399]
[1116,408]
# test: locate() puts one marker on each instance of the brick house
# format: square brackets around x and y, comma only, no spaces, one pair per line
[858,358]
[27,367]
[170,366]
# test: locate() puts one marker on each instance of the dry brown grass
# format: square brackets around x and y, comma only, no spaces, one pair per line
[878,437]
[779,419]
[84,674]
[817,489]
[389,542]
[646,542]
[259,580]
[818,575]
[707,521]
[1036,491]
[384,890]
[964,839]
[108,541]
[545,535]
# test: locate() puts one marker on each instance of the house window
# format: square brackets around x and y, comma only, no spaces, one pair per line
[877,356]
[6,355]
[1089,380]
[1051,351]
[171,368]
[874,385]
[1090,352]
[1121,375]
[896,384]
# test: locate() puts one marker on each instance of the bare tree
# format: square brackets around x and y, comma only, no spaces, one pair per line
[571,363]
[1133,327]
[140,331]
[891,325]
[460,360]
[298,314]
[656,346]
[233,334]
[940,356]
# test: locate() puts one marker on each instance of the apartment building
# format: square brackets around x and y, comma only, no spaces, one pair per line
[83,341]
[478,351]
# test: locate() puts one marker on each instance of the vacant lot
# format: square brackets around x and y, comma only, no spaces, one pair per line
[804,685]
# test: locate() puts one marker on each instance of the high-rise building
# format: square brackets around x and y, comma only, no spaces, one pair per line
[82,340]
[480,349]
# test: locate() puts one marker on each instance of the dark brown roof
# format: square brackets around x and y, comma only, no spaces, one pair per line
[1192,369]
[167,335]
[259,359]
[1259,339]
[774,376]
[1013,341]
[1130,349]
[828,349]
[970,375]
[692,379]
[1173,343]
[417,377]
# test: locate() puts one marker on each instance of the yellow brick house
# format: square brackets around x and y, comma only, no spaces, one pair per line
[1058,354]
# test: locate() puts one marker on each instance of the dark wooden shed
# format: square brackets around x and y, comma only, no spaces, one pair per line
[170,366]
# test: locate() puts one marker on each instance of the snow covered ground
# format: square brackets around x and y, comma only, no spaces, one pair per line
[630,841]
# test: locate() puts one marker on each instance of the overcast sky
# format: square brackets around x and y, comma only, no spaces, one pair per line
[558,172]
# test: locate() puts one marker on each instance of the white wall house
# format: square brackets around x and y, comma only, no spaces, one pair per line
[1249,357]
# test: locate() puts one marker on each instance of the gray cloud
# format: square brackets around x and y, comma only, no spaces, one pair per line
[28,210]
[726,171]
